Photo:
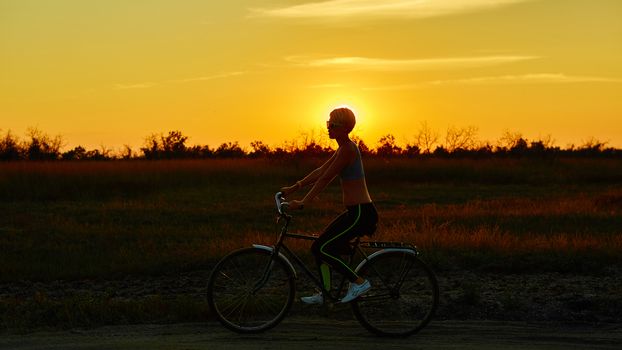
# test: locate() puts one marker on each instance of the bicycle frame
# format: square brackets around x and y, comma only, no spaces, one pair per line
[356,245]
[280,247]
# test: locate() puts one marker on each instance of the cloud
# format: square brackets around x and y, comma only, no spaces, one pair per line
[532,78]
[134,86]
[381,8]
[187,80]
[325,86]
[210,77]
[379,64]
[537,78]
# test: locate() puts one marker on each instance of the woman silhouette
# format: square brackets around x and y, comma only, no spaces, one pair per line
[359,219]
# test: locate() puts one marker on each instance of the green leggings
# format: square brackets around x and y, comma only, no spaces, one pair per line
[358,220]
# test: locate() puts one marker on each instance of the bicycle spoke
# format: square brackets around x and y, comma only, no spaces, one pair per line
[241,313]
[234,306]
[372,298]
[403,297]
[404,273]
[250,290]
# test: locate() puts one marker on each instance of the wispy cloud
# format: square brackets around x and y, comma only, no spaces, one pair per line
[134,86]
[177,81]
[209,77]
[379,64]
[325,86]
[539,78]
[382,8]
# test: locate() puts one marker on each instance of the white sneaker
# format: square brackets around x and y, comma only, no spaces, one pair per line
[315,299]
[356,290]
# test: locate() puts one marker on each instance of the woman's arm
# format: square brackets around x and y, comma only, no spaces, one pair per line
[340,159]
[311,178]
[317,173]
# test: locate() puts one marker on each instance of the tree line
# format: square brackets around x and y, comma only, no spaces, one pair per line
[457,143]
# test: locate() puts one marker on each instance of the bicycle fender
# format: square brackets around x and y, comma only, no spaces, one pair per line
[271,249]
[384,251]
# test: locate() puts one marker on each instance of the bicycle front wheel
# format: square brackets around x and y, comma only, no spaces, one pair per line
[404,294]
[250,290]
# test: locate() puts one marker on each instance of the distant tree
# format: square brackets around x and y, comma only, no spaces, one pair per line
[426,138]
[199,151]
[77,153]
[312,150]
[99,154]
[152,148]
[158,146]
[363,148]
[259,149]
[485,150]
[459,142]
[229,150]
[440,151]
[411,150]
[41,146]
[520,148]
[308,144]
[279,153]
[591,147]
[126,152]
[95,154]
[537,148]
[9,147]
[508,141]
[174,145]
[460,138]
[387,147]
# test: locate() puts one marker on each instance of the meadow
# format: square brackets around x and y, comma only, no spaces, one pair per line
[109,220]
[69,220]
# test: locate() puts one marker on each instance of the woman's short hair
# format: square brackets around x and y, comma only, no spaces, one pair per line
[345,117]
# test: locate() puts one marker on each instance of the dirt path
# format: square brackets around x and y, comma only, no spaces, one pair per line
[543,297]
[316,333]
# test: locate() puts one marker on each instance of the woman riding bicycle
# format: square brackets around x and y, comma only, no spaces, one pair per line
[359,219]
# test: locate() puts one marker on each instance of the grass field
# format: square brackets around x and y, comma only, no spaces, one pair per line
[71,220]
[107,224]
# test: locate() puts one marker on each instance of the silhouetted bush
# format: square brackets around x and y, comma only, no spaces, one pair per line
[75,154]
[171,146]
[387,147]
[9,147]
[41,146]
[229,150]
[462,144]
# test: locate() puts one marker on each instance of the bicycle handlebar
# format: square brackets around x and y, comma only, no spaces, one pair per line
[281,204]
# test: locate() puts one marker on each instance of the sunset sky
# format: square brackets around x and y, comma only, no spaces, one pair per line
[111,72]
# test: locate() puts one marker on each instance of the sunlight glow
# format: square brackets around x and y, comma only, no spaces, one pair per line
[361,112]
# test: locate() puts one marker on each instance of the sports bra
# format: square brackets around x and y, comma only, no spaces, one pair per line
[353,171]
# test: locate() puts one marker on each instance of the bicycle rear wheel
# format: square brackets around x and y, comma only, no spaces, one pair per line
[404,294]
[250,291]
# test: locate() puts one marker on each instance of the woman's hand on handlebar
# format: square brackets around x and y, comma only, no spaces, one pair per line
[289,189]
[295,204]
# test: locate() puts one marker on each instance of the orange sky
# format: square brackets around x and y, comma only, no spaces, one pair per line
[112,72]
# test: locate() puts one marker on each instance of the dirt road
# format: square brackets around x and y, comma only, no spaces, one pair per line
[319,333]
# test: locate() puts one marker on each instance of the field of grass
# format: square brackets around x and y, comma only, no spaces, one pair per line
[92,243]
[76,220]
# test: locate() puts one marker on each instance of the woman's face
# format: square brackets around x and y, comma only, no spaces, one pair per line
[334,128]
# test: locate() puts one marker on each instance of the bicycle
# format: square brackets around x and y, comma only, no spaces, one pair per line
[252,289]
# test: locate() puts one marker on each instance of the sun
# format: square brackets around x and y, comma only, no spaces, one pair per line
[361,112]
[322,104]
[357,109]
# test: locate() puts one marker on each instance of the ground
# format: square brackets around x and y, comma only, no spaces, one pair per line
[323,333]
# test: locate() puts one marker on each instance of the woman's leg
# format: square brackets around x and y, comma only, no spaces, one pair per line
[335,238]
